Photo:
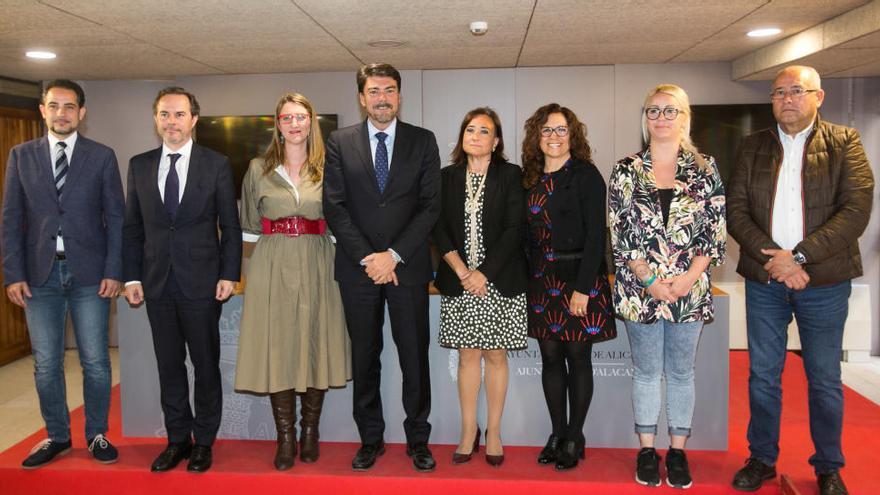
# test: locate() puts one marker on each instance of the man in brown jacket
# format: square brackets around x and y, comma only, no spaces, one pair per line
[798,201]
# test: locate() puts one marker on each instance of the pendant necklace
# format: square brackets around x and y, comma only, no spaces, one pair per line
[470,206]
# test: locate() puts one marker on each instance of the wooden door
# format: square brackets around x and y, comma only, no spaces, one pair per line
[16,127]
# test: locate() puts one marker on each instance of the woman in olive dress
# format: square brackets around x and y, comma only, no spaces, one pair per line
[293,337]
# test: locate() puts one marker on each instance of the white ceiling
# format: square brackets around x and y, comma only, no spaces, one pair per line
[161,39]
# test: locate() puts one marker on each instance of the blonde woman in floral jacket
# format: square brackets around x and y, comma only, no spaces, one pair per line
[666,210]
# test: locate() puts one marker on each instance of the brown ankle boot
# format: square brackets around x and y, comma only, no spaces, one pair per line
[284,411]
[312,402]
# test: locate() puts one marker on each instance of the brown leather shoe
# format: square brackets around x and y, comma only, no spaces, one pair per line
[751,476]
[831,484]
[311,404]
[284,412]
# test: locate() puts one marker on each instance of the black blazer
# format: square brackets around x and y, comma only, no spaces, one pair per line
[503,223]
[401,218]
[89,214]
[154,242]
[577,210]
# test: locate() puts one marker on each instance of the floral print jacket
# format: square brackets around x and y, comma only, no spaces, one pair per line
[696,227]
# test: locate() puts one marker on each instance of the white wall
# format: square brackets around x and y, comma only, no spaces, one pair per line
[864,115]
[607,98]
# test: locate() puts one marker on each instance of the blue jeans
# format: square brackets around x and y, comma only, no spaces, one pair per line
[821,313]
[46,315]
[663,348]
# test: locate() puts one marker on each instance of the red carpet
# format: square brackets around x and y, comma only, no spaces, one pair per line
[245,466]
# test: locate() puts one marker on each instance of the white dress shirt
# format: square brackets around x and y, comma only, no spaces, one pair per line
[788,205]
[182,167]
[389,141]
[70,141]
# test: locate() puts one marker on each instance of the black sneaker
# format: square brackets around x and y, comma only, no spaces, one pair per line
[45,452]
[102,450]
[648,467]
[678,475]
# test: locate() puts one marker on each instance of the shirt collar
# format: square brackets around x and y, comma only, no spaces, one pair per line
[391,130]
[70,141]
[800,135]
[184,151]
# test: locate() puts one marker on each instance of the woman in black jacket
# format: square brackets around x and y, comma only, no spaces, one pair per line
[570,305]
[483,277]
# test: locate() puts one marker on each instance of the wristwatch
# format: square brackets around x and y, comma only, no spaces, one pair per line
[799,257]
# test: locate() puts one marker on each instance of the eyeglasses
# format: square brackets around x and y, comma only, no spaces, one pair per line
[795,93]
[669,113]
[560,131]
[288,118]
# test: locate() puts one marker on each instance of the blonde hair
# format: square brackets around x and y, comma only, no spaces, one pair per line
[684,104]
[274,156]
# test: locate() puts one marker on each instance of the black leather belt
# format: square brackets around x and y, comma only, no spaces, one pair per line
[60,256]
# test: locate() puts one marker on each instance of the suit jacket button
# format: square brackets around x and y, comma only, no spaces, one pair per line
[381,205]
[172,228]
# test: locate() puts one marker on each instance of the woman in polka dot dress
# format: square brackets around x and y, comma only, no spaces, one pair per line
[483,277]
[570,305]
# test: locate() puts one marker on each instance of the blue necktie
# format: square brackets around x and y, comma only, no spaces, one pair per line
[172,186]
[381,161]
[60,167]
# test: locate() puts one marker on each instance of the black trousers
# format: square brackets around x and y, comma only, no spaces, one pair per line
[179,323]
[365,317]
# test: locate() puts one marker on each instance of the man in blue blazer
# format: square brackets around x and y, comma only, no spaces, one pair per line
[381,200]
[178,196]
[62,250]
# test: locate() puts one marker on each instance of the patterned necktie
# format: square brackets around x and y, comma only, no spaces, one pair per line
[60,166]
[381,161]
[172,186]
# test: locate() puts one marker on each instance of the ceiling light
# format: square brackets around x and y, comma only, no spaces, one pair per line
[40,54]
[386,43]
[763,32]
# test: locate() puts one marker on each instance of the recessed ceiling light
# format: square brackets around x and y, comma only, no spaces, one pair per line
[386,43]
[40,55]
[763,32]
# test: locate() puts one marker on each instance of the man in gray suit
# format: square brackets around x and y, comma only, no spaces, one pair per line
[62,251]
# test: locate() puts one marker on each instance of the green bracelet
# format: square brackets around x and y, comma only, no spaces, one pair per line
[647,283]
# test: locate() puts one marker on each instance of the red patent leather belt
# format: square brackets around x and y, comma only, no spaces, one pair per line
[294,226]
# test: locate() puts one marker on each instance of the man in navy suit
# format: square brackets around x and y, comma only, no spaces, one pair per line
[381,200]
[178,196]
[62,238]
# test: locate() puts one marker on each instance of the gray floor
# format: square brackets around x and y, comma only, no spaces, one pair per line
[19,406]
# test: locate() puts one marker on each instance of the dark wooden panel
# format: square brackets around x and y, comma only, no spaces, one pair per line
[16,126]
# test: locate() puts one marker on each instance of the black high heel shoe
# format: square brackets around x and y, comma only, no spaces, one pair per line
[463,458]
[550,451]
[493,460]
[569,453]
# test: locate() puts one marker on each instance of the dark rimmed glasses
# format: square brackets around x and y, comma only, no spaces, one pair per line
[560,130]
[669,113]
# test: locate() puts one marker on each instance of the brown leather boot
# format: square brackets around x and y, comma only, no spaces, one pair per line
[284,411]
[312,402]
